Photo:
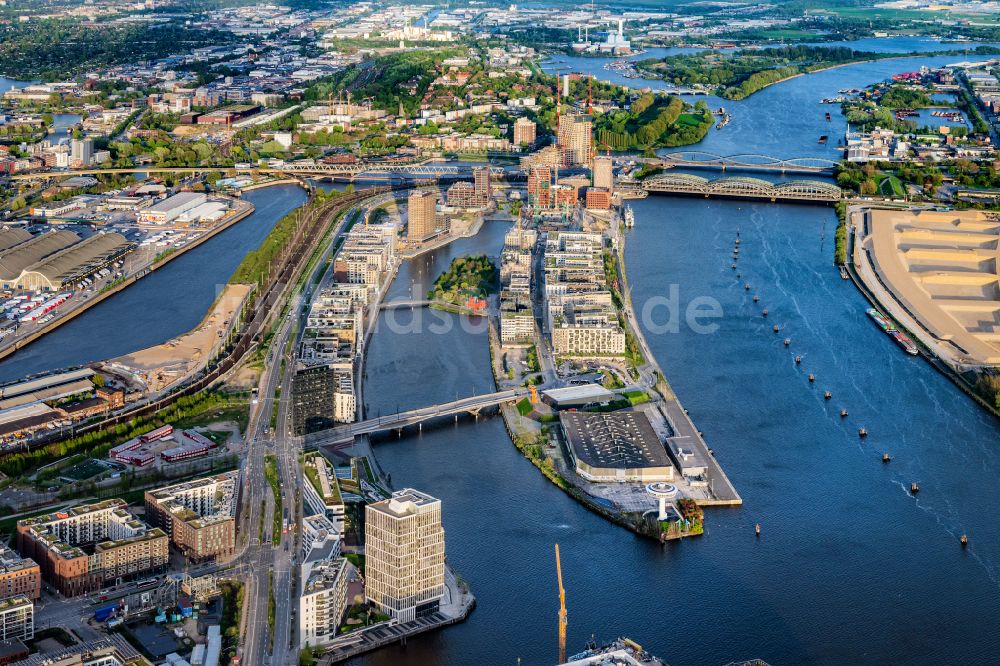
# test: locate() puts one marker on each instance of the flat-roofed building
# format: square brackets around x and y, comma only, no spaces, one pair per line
[86,547]
[322,396]
[404,554]
[17,619]
[199,515]
[322,490]
[19,576]
[524,132]
[322,602]
[604,173]
[616,447]
[170,208]
[421,215]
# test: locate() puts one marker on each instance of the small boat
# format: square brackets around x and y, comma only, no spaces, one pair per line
[764,312]
[756,298]
[747,286]
[776,328]
[862,433]
[756,529]
[964,540]
[914,488]
[843,272]
[798,359]
[736,250]
[823,139]
[828,119]
[788,341]
[886,458]
[812,377]
[737,241]
[827,395]
[739,275]
[843,413]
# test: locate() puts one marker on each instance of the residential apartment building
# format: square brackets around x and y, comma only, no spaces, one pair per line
[421,215]
[19,576]
[322,490]
[604,173]
[404,554]
[199,515]
[576,137]
[580,313]
[87,547]
[525,132]
[17,619]
[322,602]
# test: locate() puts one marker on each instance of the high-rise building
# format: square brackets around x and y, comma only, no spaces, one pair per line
[540,186]
[82,152]
[604,175]
[575,136]
[404,554]
[422,215]
[322,396]
[525,132]
[482,179]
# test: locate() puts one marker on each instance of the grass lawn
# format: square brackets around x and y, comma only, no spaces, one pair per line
[790,33]
[891,186]
[692,119]
[524,407]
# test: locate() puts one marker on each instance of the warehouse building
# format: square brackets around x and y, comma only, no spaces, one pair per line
[170,208]
[616,447]
[15,260]
[11,237]
[74,263]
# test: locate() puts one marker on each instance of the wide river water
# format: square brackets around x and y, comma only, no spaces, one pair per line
[850,569]
[164,304]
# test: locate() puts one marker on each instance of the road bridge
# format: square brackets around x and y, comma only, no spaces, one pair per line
[744,188]
[746,162]
[471,405]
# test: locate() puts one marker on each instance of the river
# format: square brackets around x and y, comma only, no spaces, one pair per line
[849,569]
[164,304]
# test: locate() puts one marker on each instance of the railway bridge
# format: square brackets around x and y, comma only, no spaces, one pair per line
[699,159]
[744,188]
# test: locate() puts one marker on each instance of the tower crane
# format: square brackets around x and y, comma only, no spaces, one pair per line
[562,610]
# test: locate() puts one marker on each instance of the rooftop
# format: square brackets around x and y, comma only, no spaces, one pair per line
[615,439]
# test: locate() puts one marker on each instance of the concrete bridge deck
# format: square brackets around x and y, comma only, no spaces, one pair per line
[472,405]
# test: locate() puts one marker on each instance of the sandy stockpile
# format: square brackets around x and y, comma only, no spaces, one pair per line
[163,365]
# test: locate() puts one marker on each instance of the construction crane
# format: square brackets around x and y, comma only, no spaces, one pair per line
[562,610]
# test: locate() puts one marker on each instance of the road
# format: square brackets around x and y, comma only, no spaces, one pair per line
[262,556]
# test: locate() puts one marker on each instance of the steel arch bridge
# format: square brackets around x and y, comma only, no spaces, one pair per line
[744,188]
[747,161]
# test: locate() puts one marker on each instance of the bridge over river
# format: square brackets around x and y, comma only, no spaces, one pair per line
[471,405]
[746,162]
[744,188]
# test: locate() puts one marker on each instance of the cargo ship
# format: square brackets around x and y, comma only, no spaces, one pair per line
[889,329]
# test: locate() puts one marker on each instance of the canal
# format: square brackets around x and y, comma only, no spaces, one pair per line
[849,569]
[166,303]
